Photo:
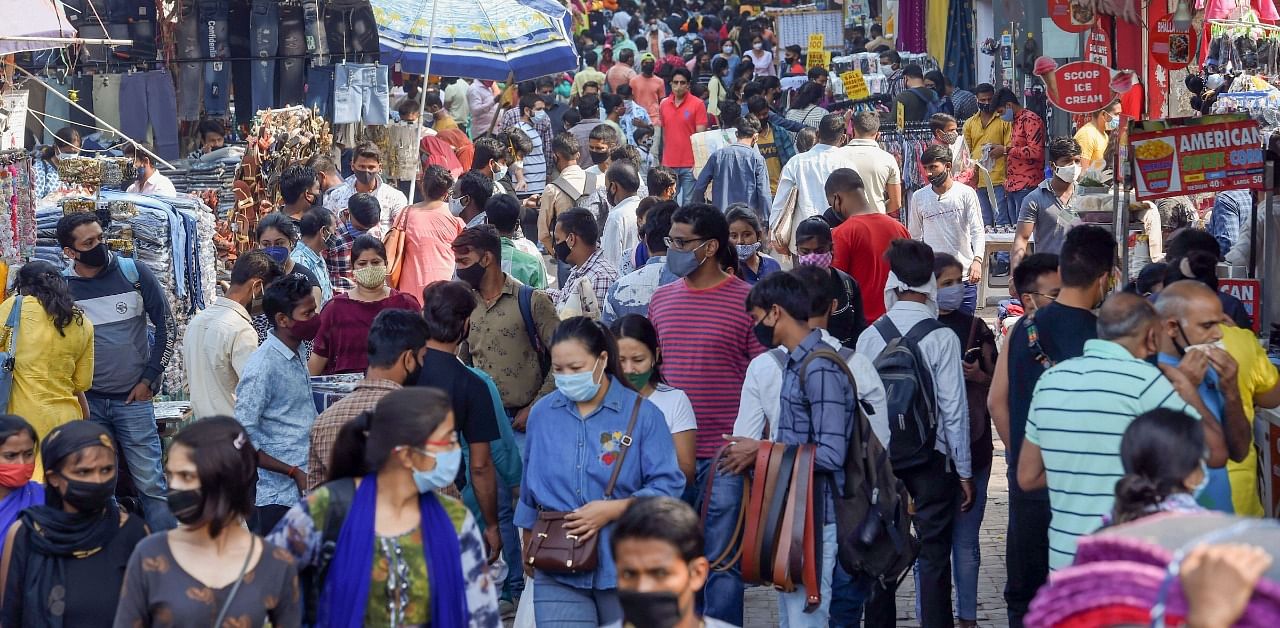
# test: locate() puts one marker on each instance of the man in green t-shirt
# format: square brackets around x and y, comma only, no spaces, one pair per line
[520,257]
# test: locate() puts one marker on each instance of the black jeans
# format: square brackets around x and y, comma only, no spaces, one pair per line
[1026,559]
[933,488]
[351,31]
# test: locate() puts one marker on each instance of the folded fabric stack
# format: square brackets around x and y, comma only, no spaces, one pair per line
[215,171]
[1122,575]
[46,241]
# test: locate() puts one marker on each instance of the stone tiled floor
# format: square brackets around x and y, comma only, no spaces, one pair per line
[762,603]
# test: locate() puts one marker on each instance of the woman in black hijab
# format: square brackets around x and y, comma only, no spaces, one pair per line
[65,562]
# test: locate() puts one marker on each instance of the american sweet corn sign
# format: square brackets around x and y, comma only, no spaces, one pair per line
[1197,158]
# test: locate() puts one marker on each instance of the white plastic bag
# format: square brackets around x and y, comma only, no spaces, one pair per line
[524,613]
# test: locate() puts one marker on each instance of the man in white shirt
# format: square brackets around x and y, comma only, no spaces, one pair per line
[220,338]
[366,164]
[621,233]
[878,169]
[149,181]
[806,174]
[911,295]
[946,216]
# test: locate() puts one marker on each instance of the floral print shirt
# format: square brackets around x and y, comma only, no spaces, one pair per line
[1026,152]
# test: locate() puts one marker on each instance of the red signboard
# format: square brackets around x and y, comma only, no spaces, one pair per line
[1098,43]
[1070,16]
[1171,47]
[1079,87]
[1249,291]
[1198,158]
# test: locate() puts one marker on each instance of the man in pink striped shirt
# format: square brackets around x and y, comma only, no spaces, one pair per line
[707,342]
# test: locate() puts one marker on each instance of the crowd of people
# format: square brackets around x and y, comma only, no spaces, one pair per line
[582,338]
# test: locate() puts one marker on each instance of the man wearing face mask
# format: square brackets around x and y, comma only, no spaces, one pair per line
[946,132]
[273,400]
[1190,340]
[986,135]
[577,245]
[363,212]
[220,338]
[1093,135]
[947,217]
[1049,211]
[600,144]
[1025,161]
[621,232]
[149,180]
[1061,329]
[738,171]
[1081,410]
[366,165]
[120,297]
[648,88]
[467,201]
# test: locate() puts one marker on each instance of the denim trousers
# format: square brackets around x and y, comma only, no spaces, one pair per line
[320,89]
[556,604]
[684,184]
[970,303]
[351,32]
[1013,205]
[133,427]
[190,68]
[213,33]
[264,20]
[147,98]
[989,211]
[1026,559]
[722,595]
[514,585]
[848,595]
[55,106]
[317,45]
[361,93]
[292,71]
[791,605]
[966,549]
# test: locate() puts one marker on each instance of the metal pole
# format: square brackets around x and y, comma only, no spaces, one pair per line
[422,98]
[104,123]
[1269,245]
[1120,213]
[69,40]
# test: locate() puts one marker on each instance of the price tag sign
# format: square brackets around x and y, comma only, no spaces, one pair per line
[902,124]
[817,41]
[855,87]
[819,59]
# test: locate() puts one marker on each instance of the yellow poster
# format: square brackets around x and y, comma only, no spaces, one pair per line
[817,41]
[855,87]
[819,59]
[902,123]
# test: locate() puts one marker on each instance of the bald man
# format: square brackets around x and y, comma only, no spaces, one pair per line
[1080,410]
[1191,338]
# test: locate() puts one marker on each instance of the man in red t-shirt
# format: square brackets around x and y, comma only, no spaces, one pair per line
[680,116]
[862,239]
[646,88]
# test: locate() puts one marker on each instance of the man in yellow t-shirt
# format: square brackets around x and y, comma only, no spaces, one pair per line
[988,129]
[1093,136]
[1258,380]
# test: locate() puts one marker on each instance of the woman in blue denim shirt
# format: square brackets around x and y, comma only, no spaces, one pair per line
[574,439]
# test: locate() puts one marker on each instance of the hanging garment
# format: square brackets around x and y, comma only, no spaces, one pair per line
[361,93]
[957,67]
[911,26]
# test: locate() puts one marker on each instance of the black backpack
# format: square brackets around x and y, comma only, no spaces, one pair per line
[908,386]
[873,526]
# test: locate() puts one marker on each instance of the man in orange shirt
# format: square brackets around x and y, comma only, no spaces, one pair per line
[646,88]
[621,72]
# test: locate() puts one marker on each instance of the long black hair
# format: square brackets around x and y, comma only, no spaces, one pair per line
[227,465]
[596,338]
[640,329]
[41,279]
[405,417]
[1159,450]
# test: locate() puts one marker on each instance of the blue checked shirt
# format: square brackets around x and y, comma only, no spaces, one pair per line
[273,403]
[818,414]
[1230,209]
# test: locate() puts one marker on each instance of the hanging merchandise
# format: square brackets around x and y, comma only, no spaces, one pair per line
[361,93]
[18,228]
[907,145]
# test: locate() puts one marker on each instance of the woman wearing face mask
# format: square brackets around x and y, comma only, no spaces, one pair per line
[18,442]
[761,60]
[316,228]
[577,439]
[277,236]
[210,566]
[403,554]
[429,230]
[718,87]
[66,143]
[641,361]
[53,364]
[730,55]
[1093,135]
[341,345]
[65,560]
[1163,453]
[813,248]
[745,234]
[804,105]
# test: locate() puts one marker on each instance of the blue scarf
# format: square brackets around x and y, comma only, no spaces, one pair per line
[346,592]
[30,494]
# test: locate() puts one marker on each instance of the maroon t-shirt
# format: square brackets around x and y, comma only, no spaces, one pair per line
[344,330]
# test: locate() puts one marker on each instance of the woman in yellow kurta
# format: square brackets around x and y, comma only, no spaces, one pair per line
[53,364]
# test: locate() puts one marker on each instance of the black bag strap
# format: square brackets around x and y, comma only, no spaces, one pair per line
[1033,342]
[623,446]
[226,605]
[525,300]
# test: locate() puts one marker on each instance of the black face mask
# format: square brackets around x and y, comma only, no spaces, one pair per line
[414,375]
[764,334]
[472,274]
[986,107]
[562,251]
[88,496]
[599,156]
[1182,348]
[95,257]
[657,609]
[187,506]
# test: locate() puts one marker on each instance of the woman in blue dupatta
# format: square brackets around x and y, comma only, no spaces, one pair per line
[17,464]
[401,554]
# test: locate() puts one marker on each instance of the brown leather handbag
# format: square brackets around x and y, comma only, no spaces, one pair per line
[394,242]
[552,548]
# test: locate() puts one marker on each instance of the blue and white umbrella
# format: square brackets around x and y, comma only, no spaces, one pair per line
[478,39]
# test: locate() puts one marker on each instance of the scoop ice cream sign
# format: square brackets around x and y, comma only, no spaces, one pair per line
[1081,86]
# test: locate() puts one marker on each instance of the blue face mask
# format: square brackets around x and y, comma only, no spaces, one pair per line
[1204,480]
[1007,116]
[446,470]
[1113,124]
[578,386]
[950,297]
[277,253]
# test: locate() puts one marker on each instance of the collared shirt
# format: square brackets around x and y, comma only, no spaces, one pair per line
[740,176]
[951,222]
[499,344]
[215,351]
[483,105]
[302,254]
[1079,413]
[807,174]
[1230,211]
[455,100]
[1052,218]
[877,168]
[337,257]
[994,133]
[324,434]
[390,200]
[157,184]
[1217,495]
[274,404]
[620,232]
[598,275]
[1240,251]
[894,84]
[630,294]
[569,458]
[941,351]
[679,121]
[526,268]
[511,119]
[1026,152]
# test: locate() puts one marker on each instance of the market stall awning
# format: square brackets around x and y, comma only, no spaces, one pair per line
[33,18]
[478,39]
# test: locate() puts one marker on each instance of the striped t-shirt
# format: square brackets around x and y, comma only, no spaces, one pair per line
[1078,415]
[535,163]
[707,343]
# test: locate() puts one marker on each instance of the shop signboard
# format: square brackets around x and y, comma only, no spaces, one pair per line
[855,86]
[1170,46]
[1196,158]
[1249,292]
[1098,44]
[1077,87]
[13,128]
[1072,16]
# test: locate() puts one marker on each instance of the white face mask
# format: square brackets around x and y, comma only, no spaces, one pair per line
[1068,174]
[757,46]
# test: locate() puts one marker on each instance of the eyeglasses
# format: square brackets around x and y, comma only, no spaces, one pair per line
[680,243]
[1041,294]
[679,82]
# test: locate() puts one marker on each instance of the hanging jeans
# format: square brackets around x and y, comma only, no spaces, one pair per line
[241,47]
[293,51]
[361,93]
[351,31]
[55,106]
[320,90]
[264,20]
[190,68]
[213,31]
[317,43]
[137,21]
[147,98]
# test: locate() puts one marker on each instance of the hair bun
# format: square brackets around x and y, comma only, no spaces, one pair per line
[1138,489]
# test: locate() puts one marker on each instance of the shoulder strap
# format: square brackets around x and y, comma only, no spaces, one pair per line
[130,270]
[623,446]
[887,329]
[525,299]
[779,356]
[341,492]
[1033,342]
[12,325]
[922,329]
[973,333]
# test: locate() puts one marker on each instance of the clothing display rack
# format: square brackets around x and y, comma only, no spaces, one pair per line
[18,229]
[906,145]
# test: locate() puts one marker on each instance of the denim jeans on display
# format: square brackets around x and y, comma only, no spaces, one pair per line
[320,89]
[133,427]
[317,43]
[292,70]
[563,606]
[361,93]
[190,68]
[139,19]
[721,597]
[56,107]
[264,20]
[147,98]
[351,32]
[241,46]
[213,32]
